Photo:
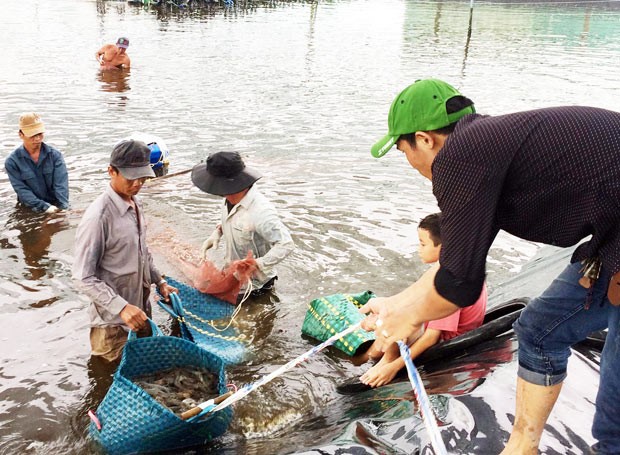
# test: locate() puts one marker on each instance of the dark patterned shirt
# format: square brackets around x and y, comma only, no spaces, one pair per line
[549,175]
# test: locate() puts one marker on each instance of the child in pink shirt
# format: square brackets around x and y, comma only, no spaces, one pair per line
[458,323]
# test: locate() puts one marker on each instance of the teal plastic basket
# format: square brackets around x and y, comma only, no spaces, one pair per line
[327,316]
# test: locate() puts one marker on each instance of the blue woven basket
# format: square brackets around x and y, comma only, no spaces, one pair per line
[134,422]
[198,313]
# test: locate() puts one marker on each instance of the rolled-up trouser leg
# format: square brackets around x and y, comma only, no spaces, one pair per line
[108,342]
[556,320]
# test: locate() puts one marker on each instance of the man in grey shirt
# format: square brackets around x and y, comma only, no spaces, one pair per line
[113,265]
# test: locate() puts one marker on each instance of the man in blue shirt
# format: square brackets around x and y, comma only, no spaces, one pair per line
[37,171]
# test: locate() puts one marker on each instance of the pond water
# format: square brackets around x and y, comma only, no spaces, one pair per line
[302,90]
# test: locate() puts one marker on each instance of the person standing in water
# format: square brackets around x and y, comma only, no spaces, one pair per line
[37,171]
[249,222]
[113,265]
[114,57]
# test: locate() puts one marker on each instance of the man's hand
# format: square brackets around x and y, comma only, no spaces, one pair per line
[245,268]
[165,290]
[372,308]
[390,321]
[134,317]
[212,242]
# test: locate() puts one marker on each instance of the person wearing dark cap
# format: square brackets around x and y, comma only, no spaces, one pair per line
[114,57]
[36,170]
[249,221]
[548,175]
[113,265]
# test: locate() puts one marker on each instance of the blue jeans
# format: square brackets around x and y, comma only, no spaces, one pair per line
[557,319]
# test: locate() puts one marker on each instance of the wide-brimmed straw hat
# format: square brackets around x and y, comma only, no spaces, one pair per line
[224,173]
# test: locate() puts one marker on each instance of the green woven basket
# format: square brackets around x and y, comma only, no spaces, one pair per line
[327,316]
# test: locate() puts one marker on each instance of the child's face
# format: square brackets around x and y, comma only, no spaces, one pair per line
[428,252]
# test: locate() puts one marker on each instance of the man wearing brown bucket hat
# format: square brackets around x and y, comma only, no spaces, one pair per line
[249,221]
[113,265]
[37,171]
[114,57]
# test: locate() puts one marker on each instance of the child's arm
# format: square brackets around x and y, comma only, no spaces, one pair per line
[429,338]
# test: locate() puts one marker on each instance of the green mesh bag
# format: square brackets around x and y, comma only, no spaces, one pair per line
[327,316]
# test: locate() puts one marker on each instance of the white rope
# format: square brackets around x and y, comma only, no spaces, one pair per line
[246,295]
[425,405]
[245,390]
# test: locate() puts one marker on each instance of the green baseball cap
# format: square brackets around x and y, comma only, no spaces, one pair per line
[420,107]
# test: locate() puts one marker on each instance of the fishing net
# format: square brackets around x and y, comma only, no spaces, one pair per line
[224,284]
[327,316]
[206,320]
[132,421]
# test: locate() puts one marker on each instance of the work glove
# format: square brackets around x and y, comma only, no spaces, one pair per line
[212,242]
[244,269]
[51,209]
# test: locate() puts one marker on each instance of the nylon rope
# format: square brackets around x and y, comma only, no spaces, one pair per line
[245,390]
[425,406]
[246,295]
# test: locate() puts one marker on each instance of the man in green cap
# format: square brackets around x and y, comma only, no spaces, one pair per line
[548,175]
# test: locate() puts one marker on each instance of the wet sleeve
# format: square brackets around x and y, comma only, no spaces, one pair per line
[154,273]
[61,181]
[274,232]
[24,194]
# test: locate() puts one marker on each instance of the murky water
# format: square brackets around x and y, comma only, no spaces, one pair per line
[301,90]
